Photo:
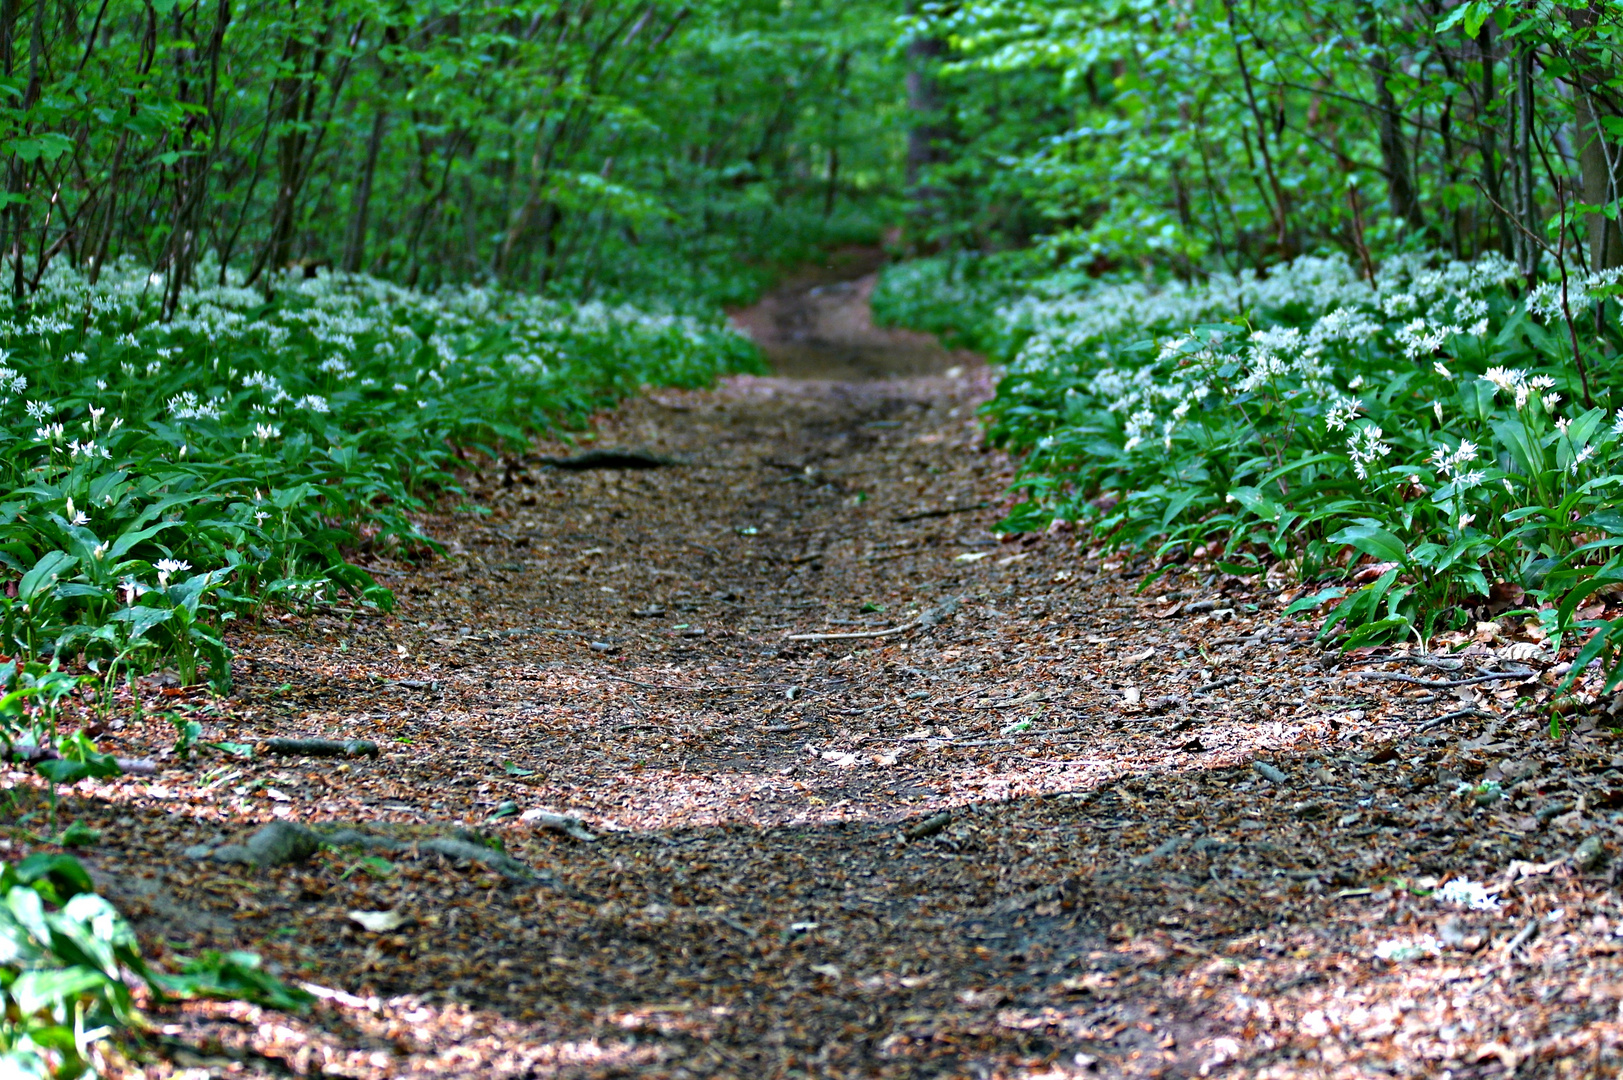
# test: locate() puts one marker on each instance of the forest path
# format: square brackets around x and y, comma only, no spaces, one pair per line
[817,324]
[771,890]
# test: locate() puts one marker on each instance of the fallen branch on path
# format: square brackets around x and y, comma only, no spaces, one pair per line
[319,747]
[32,753]
[1439,684]
[946,511]
[928,827]
[860,634]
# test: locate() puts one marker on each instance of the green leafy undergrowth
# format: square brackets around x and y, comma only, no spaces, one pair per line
[65,953]
[1415,444]
[956,296]
[159,478]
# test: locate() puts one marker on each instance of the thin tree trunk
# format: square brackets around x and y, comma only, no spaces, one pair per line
[360,204]
[1601,169]
[1279,203]
[926,133]
[1489,158]
[1525,206]
[1402,197]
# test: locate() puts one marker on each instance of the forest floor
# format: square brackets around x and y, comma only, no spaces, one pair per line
[1183,838]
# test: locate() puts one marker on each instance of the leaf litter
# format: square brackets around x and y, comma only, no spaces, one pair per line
[1060,823]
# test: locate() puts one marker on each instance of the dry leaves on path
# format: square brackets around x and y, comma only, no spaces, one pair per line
[1054,826]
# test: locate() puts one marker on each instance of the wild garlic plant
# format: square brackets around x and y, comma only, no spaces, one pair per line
[1422,436]
[157,478]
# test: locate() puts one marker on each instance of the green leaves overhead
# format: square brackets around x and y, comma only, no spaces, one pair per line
[618,146]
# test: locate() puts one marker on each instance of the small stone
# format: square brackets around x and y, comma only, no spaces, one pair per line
[1165,849]
[569,826]
[1348,819]
[199,851]
[1308,811]
[234,853]
[281,843]
[1590,855]
[1269,773]
[357,838]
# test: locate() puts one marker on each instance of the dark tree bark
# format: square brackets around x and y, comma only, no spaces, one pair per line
[360,204]
[924,101]
[1402,197]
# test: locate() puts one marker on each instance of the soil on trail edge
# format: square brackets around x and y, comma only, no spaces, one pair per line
[1182,840]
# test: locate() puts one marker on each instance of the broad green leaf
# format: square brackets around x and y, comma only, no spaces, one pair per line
[1373,541]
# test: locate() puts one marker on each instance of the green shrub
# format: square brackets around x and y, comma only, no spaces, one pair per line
[1432,424]
[64,956]
[158,478]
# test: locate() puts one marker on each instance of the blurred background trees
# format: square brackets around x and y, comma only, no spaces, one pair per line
[560,145]
[621,147]
[1233,133]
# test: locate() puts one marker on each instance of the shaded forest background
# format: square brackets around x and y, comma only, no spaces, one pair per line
[586,147]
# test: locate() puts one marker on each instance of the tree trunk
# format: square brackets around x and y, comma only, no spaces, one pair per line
[1600,158]
[926,134]
[1525,206]
[1600,161]
[1402,197]
[1489,158]
[360,205]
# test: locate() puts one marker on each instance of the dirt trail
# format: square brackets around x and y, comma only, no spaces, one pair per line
[817,325]
[1118,891]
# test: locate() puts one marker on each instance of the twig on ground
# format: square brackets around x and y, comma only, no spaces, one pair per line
[946,511]
[1458,714]
[685,689]
[857,635]
[983,742]
[1441,663]
[1523,936]
[1067,761]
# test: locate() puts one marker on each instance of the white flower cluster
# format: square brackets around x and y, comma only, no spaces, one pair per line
[1556,299]
[1467,893]
[1403,950]
[1416,310]
[1365,447]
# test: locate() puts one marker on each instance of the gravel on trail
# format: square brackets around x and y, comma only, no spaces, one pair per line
[1002,813]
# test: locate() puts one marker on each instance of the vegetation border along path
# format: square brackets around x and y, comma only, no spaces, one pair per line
[1053,825]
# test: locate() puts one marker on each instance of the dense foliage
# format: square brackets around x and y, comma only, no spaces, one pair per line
[1325,286]
[67,961]
[162,476]
[566,146]
[1238,134]
[1430,423]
